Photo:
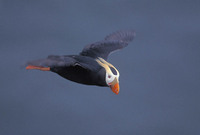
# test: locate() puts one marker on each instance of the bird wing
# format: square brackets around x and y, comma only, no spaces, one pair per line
[112,42]
[54,61]
[51,61]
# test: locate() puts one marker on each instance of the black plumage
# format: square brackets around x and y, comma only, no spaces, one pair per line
[112,42]
[84,68]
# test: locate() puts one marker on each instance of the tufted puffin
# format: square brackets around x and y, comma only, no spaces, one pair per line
[90,66]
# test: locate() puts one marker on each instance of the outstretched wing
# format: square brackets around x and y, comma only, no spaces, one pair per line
[112,42]
[53,62]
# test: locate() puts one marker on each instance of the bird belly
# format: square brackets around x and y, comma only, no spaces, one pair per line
[80,75]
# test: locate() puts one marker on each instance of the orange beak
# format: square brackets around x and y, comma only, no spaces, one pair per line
[115,88]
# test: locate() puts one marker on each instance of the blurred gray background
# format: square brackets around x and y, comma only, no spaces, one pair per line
[160,69]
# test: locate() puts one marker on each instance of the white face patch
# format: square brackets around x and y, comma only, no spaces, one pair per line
[110,78]
[111,71]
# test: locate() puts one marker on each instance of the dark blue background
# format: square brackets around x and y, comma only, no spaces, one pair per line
[160,69]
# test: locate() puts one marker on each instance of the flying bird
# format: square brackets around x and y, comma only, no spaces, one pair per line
[90,67]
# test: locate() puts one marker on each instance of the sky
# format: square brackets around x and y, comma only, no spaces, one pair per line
[159,70]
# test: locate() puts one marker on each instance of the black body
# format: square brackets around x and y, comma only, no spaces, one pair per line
[82,69]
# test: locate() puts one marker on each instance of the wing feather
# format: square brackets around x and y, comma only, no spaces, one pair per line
[54,62]
[112,42]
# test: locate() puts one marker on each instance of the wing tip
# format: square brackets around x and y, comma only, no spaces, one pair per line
[122,35]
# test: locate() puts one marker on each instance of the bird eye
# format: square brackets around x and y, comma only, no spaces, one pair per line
[109,76]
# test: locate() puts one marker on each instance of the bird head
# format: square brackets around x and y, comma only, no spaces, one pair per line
[112,75]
